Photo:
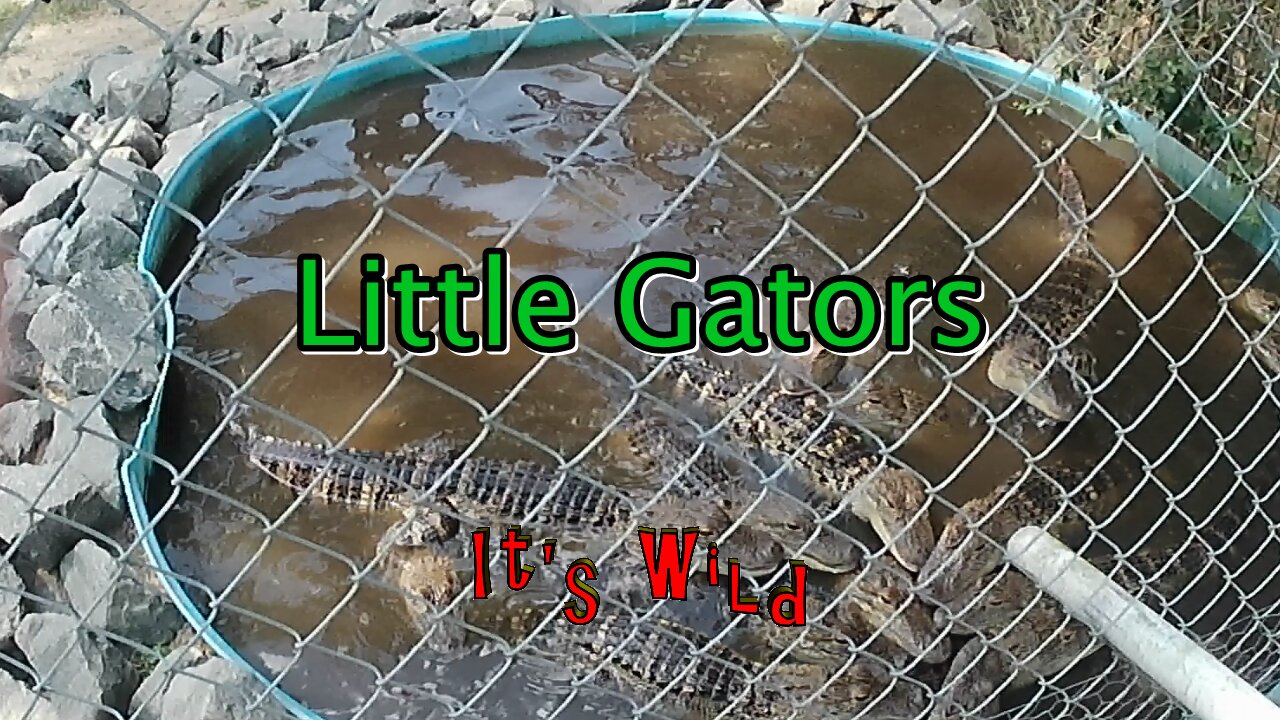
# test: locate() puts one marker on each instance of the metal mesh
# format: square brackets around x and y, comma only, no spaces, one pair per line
[1124,400]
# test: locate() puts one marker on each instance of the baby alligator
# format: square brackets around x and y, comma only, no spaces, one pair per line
[1023,638]
[503,492]
[879,404]
[839,462]
[662,658]
[1263,306]
[855,626]
[1055,496]
[712,493]
[1022,362]
[500,492]
[1004,598]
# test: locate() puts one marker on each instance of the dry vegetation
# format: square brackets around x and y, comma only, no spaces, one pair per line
[1207,67]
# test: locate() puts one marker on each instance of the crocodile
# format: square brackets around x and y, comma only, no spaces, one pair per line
[429,583]
[820,368]
[1263,306]
[847,621]
[1027,636]
[874,590]
[496,492]
[1043,644]
[650,445]
[661,657]
[503,492]
[1005,597]
[513,489]
[1023,361]
[1055,495]
[833,458]
[878,404]
[775,526]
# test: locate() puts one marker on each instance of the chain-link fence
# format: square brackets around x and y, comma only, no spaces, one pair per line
[200,520]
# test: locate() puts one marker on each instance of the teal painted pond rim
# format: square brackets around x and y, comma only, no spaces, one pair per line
[1205,184]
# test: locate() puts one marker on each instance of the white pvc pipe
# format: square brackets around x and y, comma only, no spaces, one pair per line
[1182,668]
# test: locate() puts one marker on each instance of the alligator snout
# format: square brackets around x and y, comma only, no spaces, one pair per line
[1020,370]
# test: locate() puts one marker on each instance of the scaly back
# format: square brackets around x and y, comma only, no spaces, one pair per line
[1073,209]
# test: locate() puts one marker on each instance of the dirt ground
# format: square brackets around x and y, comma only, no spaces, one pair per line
[56,38]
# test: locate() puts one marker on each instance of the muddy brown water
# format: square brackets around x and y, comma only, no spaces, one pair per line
[281,570]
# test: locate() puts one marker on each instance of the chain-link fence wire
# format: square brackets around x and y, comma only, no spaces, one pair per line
[1203,72]
[1171,484]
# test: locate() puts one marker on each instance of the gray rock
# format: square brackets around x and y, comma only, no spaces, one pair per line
[95,241]
[482,10]
[40,246]
[274,52]
[43,141]
[189,53]
[19,170]
[74,482]
[81,135]
[602,6]
[90,331]
[316,64]
[211,41]
[22,296]
[124,154]
[128,200]
[22,363]
[63,104]
[397,14]
[527,9]
[11,110]
[26,307]
[504,22]
[454,17]
[128,132]
[140,88]
[11,589]
[100,68]
[966,23]
[300,70]
[76,77]
[178,145]
[18,701]
[148,701]
[77,667]
[11,132]
[218,690]
[801,8]
[48,198]
[24,425]
[314,30]
[407,36]
[346,9]
[109,595]
[238,38]
[195,96]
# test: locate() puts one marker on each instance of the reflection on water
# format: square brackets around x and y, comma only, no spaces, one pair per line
[924,178]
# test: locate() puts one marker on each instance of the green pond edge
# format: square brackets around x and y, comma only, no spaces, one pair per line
[1258,222]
